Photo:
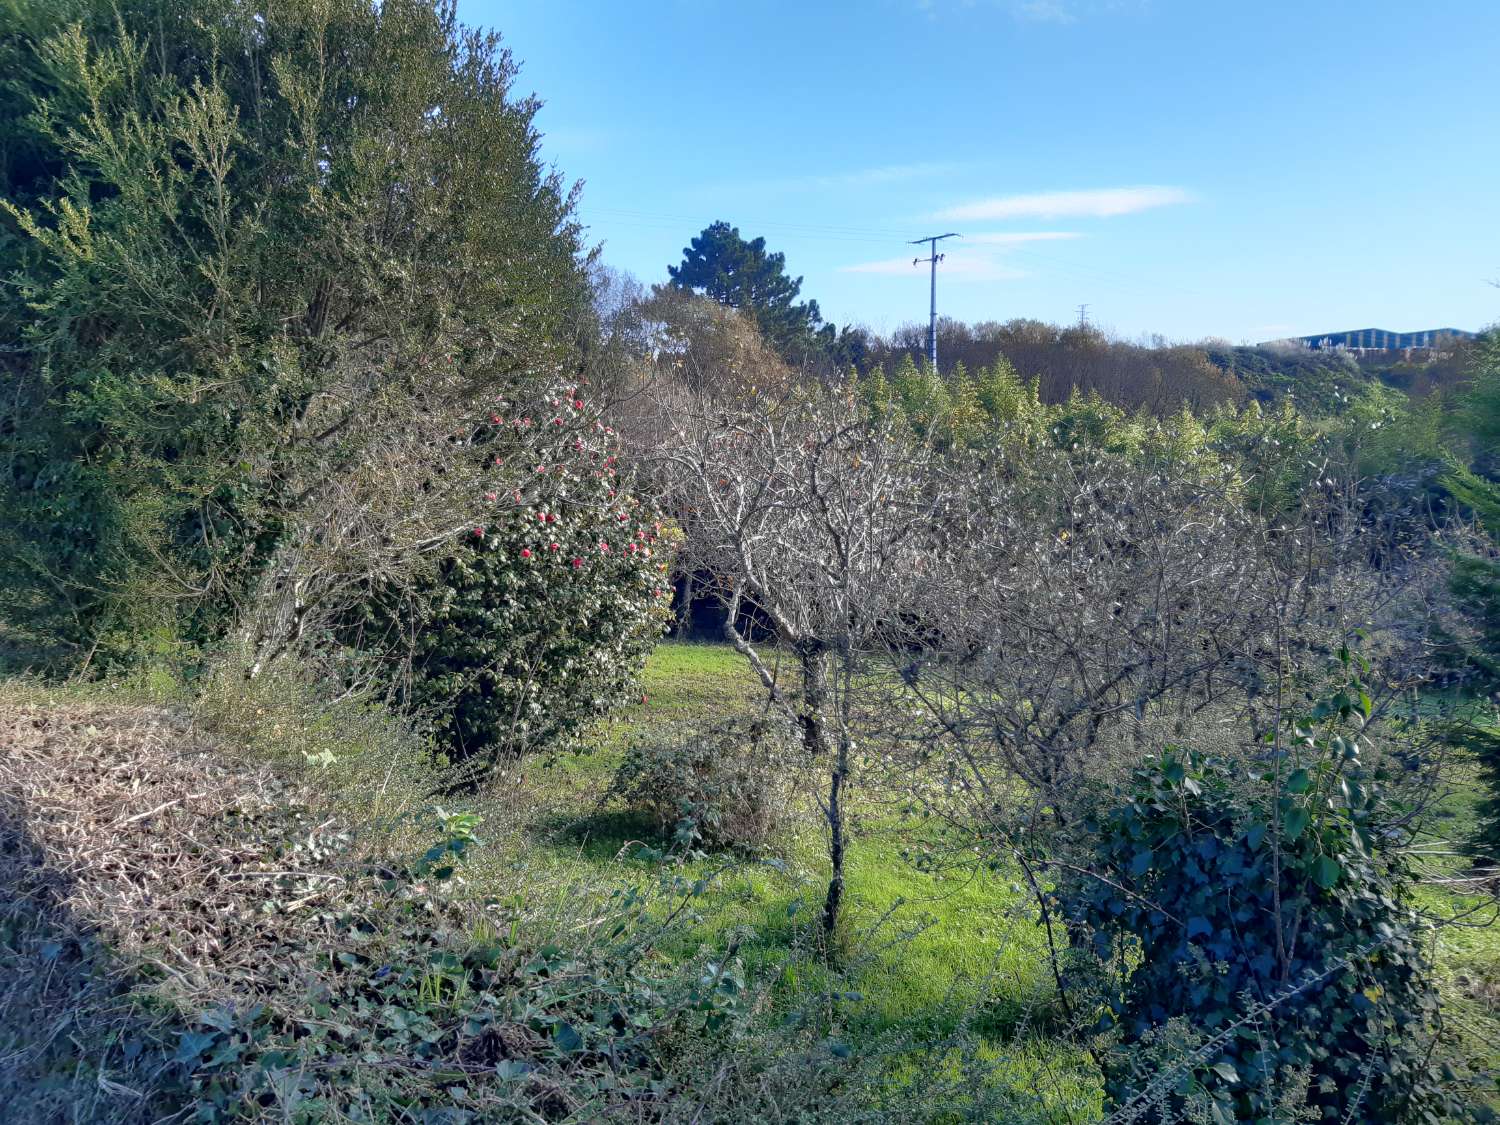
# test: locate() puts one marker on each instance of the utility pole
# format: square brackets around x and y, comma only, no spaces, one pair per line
[1083,316]
[935,258]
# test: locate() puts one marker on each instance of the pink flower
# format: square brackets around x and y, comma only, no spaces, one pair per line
[491,496]
[526,552]
[557,421]
[541,517]
[577,564]
[479,533]
[578,404]
[551,518]
[603,546]
[541,468]
[551,546]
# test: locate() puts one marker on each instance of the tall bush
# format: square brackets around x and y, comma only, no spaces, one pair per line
[1269,964]
[265,259]
[541,615]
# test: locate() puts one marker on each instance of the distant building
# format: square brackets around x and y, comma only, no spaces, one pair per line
[1379,340]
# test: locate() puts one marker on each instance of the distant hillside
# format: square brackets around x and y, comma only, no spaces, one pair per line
[1378,339]
[1162,377]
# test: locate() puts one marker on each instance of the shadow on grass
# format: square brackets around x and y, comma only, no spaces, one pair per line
[72,1047]
[600,835]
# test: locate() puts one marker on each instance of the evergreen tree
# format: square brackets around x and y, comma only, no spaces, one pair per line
[246,241]
[742,275]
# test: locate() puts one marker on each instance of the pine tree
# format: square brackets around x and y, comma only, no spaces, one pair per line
[719,263]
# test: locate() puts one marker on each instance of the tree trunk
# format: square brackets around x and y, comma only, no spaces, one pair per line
[835,816]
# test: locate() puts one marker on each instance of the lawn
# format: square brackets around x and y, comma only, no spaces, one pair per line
[927,944]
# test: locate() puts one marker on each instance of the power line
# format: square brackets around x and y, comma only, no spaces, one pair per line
[1083,315]
[934,258]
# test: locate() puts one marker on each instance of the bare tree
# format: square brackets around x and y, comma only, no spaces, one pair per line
[803,507]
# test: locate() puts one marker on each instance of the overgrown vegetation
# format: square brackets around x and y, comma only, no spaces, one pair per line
[1103,730]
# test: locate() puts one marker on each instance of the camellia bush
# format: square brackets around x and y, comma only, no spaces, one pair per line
[541,617]
[1255,919]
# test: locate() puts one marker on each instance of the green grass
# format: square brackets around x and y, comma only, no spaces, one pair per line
[921,945]
[922,950]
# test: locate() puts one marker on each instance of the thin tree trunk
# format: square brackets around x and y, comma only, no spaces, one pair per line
[835,814]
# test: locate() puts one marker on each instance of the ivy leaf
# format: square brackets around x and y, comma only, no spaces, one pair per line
[193,1045]
[1326,871]
[566,1036]
[1294,822]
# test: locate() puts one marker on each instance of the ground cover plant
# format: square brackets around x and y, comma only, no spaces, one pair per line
[1085,734]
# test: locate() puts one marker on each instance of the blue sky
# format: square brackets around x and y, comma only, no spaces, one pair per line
[1239,168]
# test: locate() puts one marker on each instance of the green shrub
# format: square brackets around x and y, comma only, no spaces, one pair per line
[541,619]
[242,265]
[1259,924]
[723,786]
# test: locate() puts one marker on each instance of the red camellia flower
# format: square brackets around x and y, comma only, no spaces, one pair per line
[577,564]
[479,533]
[603,546]
[551,546]
[557,421]
[578,404]
[526,552]
[551,518]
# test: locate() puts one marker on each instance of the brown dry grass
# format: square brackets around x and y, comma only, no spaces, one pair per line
[131,851]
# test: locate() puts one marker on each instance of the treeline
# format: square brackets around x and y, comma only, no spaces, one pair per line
[1063,360]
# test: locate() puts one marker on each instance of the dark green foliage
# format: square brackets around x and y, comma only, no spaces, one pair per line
[1257,916]
[722,265]
[543,617]
[231,228]
[1482,744]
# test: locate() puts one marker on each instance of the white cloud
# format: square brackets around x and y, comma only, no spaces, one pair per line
[955,266]
[1012,238]
[856,178]
[1097,203]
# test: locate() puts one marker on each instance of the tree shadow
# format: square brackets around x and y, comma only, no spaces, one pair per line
[73,1048]
[601,834]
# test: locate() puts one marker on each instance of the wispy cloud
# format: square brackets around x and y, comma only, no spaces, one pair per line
[857,177]
[1044,11]
[1097,203]
[957,266]
[1015,237]
[1058,12]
